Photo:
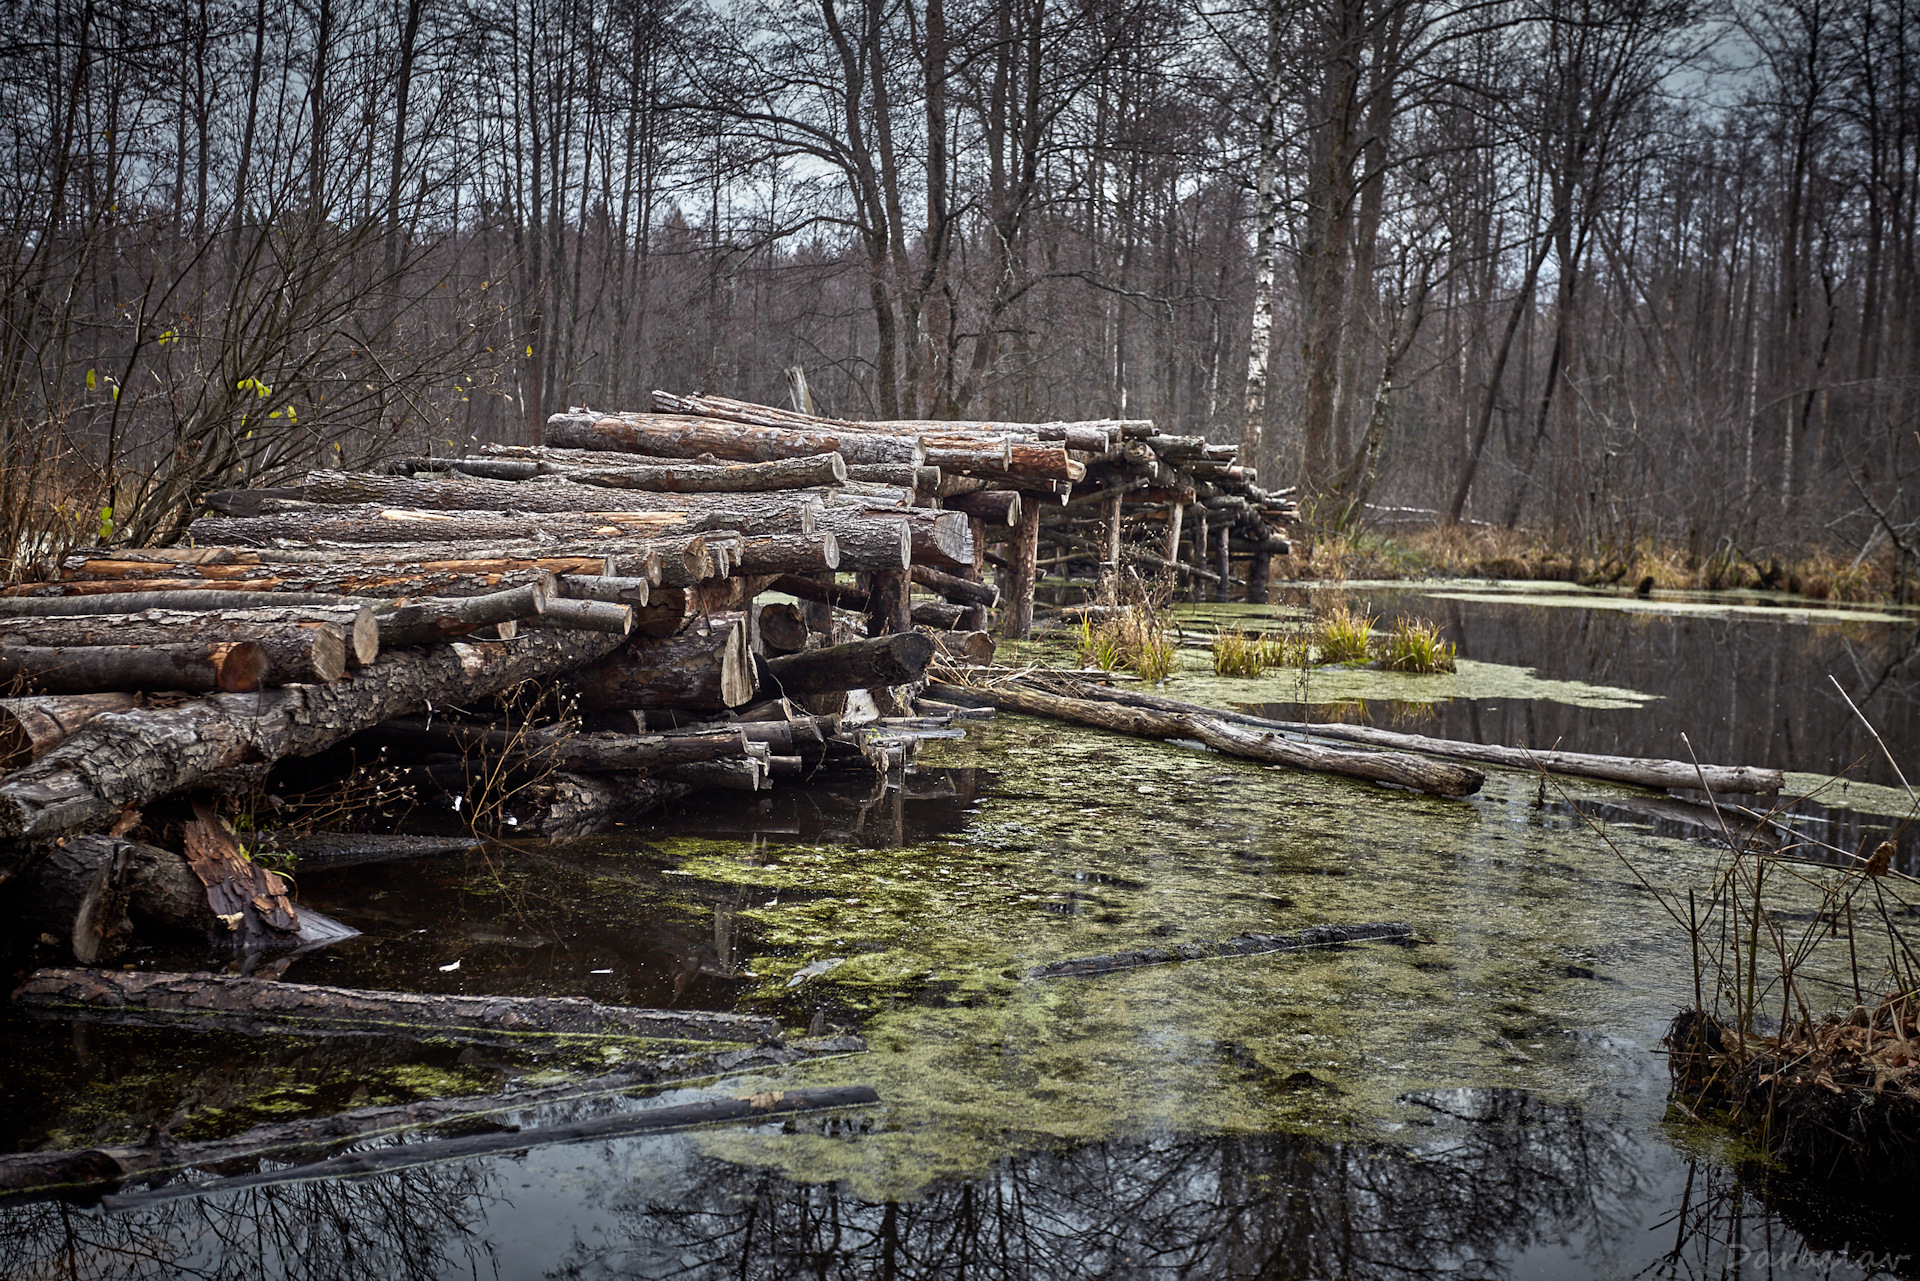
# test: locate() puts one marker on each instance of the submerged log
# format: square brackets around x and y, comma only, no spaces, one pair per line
[325,851]
[898,659]
[563,803]
[161,1158]
[228,666]
[264,1006]
[127,758]
[1382,767]
[32,727]
[374,1160]
[1314,936]
[1643,771]
[749,774]
[678,436]
[708,665]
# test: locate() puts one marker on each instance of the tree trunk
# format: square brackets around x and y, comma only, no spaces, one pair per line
[1023,564]
[440,620]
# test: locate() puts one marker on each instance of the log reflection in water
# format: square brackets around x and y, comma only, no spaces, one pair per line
[408,1226]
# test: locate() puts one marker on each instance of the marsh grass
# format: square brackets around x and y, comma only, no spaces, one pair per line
[1415,646]
[1135,636]
[1240,653]
[1343,635]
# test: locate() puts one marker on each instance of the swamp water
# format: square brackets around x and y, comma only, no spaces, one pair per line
[1489,1103]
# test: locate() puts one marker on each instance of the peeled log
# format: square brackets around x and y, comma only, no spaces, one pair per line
[897,659]
[265,1006]
[704,478]
[129,758]
[677,436]
[32,727]
[1385,767]
[229,666]
[705,666]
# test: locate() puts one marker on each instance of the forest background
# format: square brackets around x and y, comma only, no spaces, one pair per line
[1621,272]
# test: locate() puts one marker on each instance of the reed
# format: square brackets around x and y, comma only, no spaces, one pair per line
[1415,646]
[1344,635]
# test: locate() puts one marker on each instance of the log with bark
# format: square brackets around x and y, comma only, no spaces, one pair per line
[937,614]
[974,649]
[1415,772]
[1096,435]
[121,759]
[706,478]
[994,506]
[936,537]
[1643,771]
[679,436]
[922,479]
[395,526]
[191,599]
[194,667]
[564,804]
[789,554]
[957,590]
[617,589]
[779,629]
[383,581]
[1023,567]
[32,727]
[267,1007]
[585,616]
[706,665]
[427,621]
[579,753]
[1249,944]
[327,851]
[898,659]
[749,774]
[297,649]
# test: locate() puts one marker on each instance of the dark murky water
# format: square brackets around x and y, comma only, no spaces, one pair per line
[1489,1104]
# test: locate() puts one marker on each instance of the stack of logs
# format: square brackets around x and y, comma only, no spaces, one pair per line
[618,569]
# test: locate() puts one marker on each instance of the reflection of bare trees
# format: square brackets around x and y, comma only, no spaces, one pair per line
[411,1225]
[1502,1166]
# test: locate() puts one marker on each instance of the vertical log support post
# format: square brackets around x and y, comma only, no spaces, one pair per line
[1176,511]
[1223,565]
[975,617]
[1199,550]
[1023,564]
[1110,556]
[1259,573]
[888,609]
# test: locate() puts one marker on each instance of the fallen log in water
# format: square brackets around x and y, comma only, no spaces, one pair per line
[1380,767]
[562,803]
[162,1157]
[1314,936]
[377,1160]
[1644,771]
[229,666]
[324,851]
[127,758]
[268,1007]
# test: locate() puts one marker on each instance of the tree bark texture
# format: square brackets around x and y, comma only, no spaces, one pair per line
[32,727]
[297,651]
[678,436]
[707,666]
[898,659]
[229,666]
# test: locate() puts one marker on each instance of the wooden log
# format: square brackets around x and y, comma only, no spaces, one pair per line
[959,591]
[1248,944]
[77,895]
[32,727]
[246,502]
[1023,567]
[397,526]
[1641,771]
[698,478]
[973,648]
[870,542]
[750,774]
[428,621]
[922,479]
[327,851]
[423,578]
[835,595]
[266,1007]
[994,506]
[898,659]
[187,600]
[566,804]
[707,665]
[679,436]
[195,667]
[585,616]
[790,554]
[121,759]
[553,498]
[1222,565]
[937,614]
[779,629]
[580,753]
[1096,434]
[297,650]
[936,537]
[1176,511]
[888,602]
[607,587]
[1225,737]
